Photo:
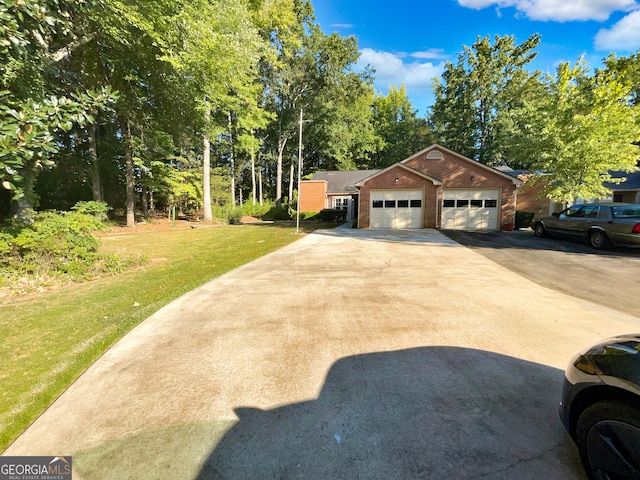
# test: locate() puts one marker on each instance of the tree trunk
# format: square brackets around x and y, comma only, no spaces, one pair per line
[281,144]
[96,181]
[253,177]
[291,175]
[22,206]
[125,126]
[261,198]
[206,172]
[145,202]
[232,161]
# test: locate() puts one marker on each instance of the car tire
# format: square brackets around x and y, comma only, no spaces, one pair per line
[608,435]
[599,240]
[539,230]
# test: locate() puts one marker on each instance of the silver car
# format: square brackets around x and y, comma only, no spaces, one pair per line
[603,225]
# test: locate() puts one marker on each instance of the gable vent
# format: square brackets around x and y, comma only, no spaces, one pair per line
[435,155]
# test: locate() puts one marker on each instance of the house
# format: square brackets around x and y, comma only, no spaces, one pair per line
[434,188]
[627,191]
[531,198]
[334,190]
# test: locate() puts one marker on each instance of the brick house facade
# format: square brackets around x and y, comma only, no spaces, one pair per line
[447,181]
[434,188]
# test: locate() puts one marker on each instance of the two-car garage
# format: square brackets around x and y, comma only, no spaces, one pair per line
[437,188]
[461,209]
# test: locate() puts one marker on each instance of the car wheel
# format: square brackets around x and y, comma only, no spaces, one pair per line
[599,240]
[539,230]
[608,435]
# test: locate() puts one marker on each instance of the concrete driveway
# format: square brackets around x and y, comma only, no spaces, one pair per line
[348,354]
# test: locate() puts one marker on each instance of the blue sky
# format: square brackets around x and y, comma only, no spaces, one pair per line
[408,42]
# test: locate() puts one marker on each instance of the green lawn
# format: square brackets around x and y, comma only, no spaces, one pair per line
[48,340]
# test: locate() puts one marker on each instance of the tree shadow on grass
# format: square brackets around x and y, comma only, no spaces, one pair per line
[432,412]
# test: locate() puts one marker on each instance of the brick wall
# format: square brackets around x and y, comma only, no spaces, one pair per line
[313,195]
[453,171]
[531,199]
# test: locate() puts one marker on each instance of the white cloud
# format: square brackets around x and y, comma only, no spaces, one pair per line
[341,25]
[432,54]
[558,10]
[624,35]
[393,69]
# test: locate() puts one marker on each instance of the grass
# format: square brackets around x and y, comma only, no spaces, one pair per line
[48,340]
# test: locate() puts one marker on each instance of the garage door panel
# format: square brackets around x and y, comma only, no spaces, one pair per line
[399,209]
[470,209]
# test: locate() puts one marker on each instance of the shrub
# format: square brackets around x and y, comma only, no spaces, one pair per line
[277,213]
[54,244]
[95,209]
[329,215]
[524,219]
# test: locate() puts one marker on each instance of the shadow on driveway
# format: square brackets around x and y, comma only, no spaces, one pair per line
[431,412]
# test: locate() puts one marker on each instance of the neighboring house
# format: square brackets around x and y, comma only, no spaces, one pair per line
[627,191]
[531,199]
[333,190]
[435,188]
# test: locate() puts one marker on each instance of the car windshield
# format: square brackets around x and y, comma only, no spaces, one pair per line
[626,211]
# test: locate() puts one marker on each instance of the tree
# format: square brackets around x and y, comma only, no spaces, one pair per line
[216,49]
[396,122]
[37,35]
[473,92]
[582,129]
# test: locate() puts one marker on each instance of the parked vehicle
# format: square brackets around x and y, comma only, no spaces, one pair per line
[603,225]
[600,408]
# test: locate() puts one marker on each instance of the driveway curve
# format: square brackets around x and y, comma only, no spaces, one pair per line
[348,354]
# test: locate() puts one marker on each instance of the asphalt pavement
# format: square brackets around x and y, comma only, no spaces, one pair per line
[347,354]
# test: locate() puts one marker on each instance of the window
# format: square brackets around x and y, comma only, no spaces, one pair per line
[448,203]
[490,203]
[389,204]
[476,203]
[403,203]
[591,211]
[462,203]
[377,204]
[416,203]
[626,211]
[573,211]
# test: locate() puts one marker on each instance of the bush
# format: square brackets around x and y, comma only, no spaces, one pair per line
[277,213]
[55,244]
[95,209]
[524,219]
[328,215]
[233,215]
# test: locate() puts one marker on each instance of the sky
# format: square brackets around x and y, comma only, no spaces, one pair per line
[408,41]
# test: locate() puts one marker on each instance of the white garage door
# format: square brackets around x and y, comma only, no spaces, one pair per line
[396,209]
[470,209]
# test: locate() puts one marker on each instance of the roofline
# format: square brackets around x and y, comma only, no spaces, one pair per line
[435,181]
[515,180]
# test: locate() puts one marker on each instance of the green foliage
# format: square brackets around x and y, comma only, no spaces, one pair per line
[329,215]
[232,215]
[56,244]
[486,80]
[95,209]
[397,124]
[582,128]
[276,212]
